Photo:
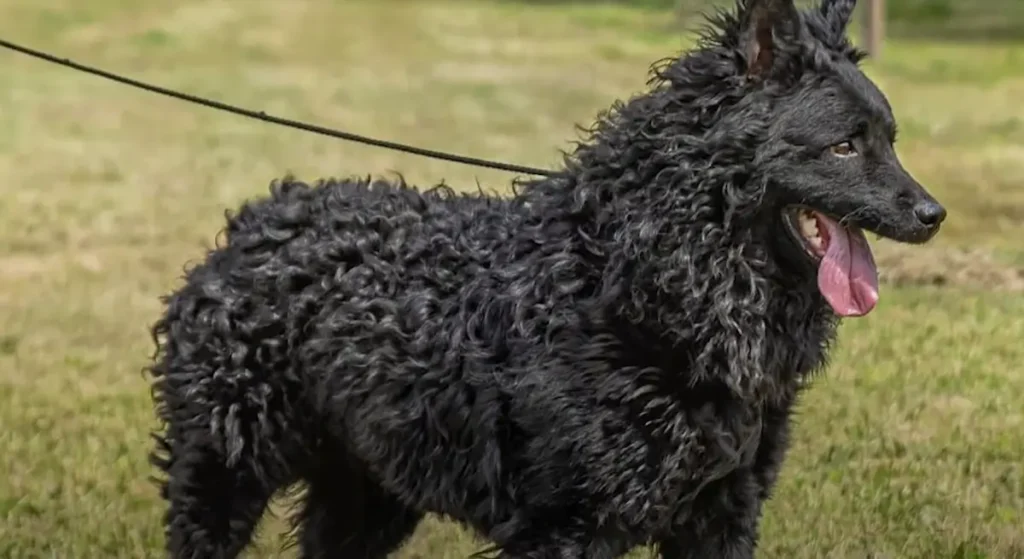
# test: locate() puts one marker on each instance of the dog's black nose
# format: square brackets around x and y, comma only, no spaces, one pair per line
[930,213]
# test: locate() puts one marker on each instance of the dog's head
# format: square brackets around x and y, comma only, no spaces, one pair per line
[830,165]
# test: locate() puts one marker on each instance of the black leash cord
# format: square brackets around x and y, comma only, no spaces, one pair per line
[260,115]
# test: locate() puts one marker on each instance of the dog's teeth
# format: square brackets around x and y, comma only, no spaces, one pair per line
[809,229]
[809,226]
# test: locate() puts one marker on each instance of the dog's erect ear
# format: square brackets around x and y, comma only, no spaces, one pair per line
[837,13]
[768,27]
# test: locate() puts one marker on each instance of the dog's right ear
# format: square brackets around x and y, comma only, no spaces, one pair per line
[768,28]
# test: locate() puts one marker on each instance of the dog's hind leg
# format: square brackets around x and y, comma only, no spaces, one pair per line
[345,515]
[212,508]
[231,438]
[216,490]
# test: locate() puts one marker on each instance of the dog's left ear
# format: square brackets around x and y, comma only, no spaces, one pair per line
[837,13]
[769,27]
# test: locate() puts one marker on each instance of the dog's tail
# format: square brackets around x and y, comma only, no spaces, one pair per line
[222,382]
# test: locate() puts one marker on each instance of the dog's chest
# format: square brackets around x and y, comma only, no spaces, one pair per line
[683,446]
[695,436]
[701,440]
[716,440]
[726,441]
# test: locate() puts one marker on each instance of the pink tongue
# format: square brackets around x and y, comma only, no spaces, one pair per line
[847,276]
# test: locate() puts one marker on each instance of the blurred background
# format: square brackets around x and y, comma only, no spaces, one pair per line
[911,445]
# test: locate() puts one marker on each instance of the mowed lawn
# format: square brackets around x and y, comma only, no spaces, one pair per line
[911,445]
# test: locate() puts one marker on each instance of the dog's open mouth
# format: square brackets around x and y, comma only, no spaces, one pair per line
[847,276]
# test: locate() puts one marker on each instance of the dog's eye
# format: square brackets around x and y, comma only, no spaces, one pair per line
[843,149]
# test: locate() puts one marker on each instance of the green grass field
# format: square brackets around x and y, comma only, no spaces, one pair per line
[912,444]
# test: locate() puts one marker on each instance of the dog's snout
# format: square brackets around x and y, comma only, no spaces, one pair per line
[930,213]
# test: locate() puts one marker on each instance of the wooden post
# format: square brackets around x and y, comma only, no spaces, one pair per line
[874,26]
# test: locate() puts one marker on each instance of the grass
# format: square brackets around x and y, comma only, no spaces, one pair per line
[910,445]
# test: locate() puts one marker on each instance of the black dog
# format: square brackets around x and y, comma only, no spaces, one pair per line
[607,359]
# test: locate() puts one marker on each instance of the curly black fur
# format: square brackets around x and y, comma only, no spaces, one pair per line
[608,358]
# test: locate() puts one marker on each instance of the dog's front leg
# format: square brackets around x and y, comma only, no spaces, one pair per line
[723,522]
[560,547]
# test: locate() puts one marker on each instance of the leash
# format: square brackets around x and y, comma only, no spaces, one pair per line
[260,115]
